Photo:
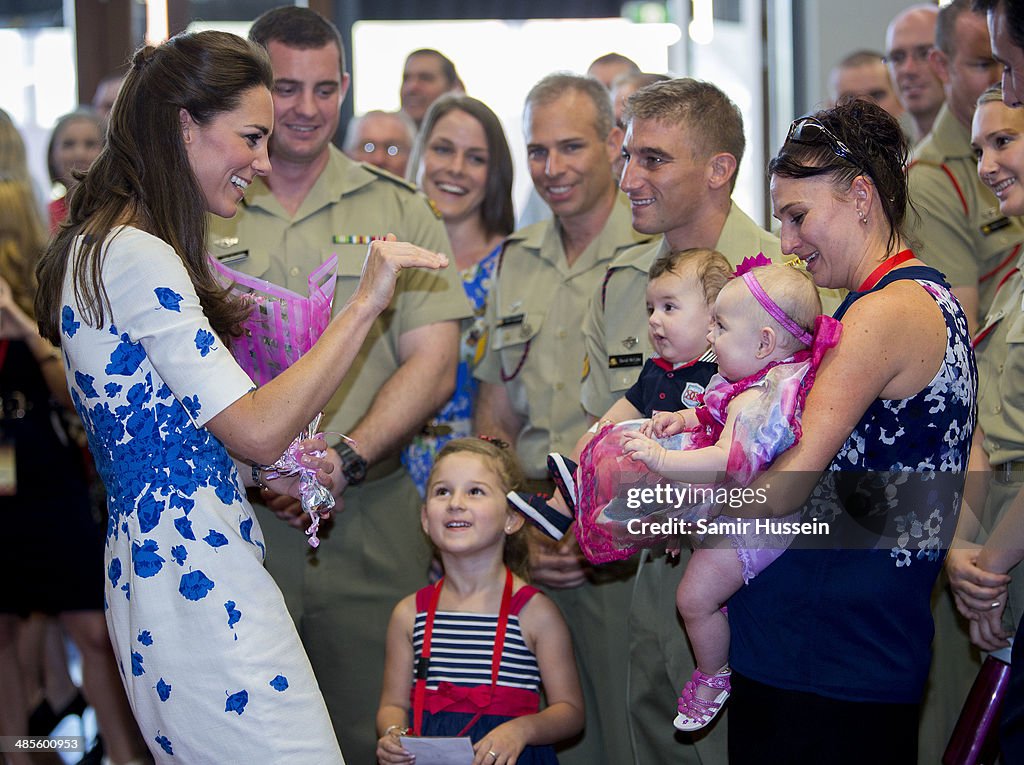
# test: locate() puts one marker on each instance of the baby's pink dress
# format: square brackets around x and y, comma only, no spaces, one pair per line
[766,428]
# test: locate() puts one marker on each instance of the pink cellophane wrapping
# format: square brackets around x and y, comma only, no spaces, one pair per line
[764,429]
[283,325]
[314,497]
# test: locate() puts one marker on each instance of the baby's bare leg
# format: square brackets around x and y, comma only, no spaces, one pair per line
[712,576]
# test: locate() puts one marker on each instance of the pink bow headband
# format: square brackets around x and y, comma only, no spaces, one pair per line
[744,270]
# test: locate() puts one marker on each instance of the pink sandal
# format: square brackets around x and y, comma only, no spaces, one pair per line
[695,712]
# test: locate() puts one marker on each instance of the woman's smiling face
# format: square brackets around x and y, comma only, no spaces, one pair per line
[455,163]
[997,137]
[818,225]
[230,150]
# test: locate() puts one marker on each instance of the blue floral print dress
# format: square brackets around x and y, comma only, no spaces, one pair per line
[209,656]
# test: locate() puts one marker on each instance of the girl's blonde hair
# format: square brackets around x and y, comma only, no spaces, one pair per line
[13,160]
[22,240]
[502,459]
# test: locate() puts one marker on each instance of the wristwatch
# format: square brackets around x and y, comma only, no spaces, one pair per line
[353,467]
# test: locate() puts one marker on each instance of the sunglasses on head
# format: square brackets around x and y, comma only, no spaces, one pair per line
[809,130]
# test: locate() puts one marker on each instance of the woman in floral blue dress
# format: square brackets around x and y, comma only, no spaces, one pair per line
[210,659]
[462,162]
[832,642]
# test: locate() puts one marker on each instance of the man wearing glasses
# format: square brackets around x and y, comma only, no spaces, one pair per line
[909,40]
[383,139]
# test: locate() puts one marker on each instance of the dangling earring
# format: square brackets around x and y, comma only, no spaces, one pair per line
[863,217]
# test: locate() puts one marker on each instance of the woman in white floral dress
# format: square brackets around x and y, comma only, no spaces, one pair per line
[210,659]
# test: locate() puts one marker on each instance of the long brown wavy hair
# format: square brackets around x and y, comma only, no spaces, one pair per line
[143,176]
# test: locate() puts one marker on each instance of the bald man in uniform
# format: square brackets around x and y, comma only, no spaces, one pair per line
[909,40]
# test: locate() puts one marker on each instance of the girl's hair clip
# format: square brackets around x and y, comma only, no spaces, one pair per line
[748,263]
[494,440]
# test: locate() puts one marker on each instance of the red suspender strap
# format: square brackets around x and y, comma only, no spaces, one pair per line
[499,636]
[422,666]
[420,689]
[499,642]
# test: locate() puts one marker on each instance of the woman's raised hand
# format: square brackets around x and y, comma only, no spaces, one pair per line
[385,258]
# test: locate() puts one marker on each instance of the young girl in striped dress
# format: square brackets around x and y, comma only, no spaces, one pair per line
[468,655]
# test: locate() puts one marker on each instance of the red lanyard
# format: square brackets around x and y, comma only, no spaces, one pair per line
[885,267]
[4,345]
[423,665]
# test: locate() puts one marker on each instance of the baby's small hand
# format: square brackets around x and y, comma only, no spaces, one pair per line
[667,424]
[643,449]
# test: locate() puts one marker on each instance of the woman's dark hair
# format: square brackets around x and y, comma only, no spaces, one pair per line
[497,210]
[878,149]
[143,175]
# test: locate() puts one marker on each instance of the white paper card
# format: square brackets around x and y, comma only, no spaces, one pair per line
[439,750]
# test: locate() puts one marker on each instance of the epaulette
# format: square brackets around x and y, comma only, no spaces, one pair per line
[382,173]
[949,174]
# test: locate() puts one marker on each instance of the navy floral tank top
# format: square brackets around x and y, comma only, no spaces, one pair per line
[848,615]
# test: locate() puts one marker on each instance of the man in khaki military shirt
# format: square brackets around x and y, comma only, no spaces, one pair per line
[683,145]
[530,383]
[315,203]
[960,230]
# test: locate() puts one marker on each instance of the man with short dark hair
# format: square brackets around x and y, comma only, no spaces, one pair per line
[1006,30]
[314,204]
[427,75]
[683,145]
